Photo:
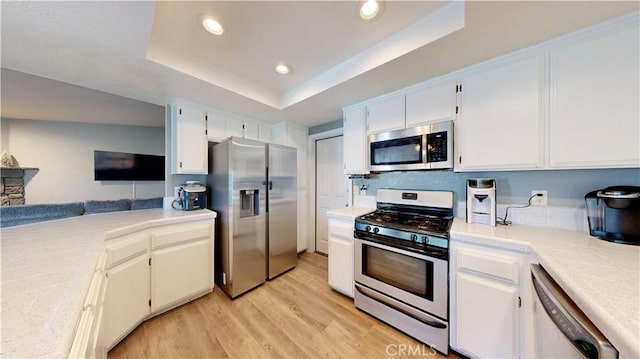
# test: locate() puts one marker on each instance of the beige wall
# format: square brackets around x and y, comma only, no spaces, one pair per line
[63,151]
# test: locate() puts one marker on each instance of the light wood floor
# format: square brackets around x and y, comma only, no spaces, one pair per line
[296,315]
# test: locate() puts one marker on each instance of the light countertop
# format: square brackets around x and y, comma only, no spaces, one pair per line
[602,278]
[349,213]
[47,269]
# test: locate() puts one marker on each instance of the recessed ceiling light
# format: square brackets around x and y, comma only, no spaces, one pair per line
[369,9]
[283,69]
[212,25]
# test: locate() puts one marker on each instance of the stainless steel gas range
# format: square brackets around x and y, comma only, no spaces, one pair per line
[401,263]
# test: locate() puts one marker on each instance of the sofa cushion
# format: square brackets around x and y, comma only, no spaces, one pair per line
[106,206]
[146,203]
[32,213]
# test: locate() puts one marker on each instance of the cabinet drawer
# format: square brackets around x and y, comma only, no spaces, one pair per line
[117,253]
[497,266]
[186,232]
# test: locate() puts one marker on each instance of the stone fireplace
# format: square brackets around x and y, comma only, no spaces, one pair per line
[12,185]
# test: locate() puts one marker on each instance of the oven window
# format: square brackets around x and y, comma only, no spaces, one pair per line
[406,150]
[408,273]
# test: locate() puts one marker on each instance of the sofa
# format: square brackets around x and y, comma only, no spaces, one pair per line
[32,213]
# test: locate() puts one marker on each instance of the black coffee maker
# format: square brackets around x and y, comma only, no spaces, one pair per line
[614,214]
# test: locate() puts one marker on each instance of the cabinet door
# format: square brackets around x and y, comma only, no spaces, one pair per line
[298,138]
[235,127]
[594,114]
[355,142]
[385,115]
[179,272]
[341,256]
[128,294]
[500,118]
[216,127]
[191,141]
[264,133]
[432,104]
[487,321]
[250,130]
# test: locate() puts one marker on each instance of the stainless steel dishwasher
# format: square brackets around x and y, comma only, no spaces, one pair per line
[561,329]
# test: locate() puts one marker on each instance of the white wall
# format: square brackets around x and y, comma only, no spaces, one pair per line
[63,151]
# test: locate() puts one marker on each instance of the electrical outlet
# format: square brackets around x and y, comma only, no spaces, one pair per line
[539,200]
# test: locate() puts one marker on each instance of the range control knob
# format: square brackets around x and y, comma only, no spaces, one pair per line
[425,239]
[376,230]
[414,238]
[367,228]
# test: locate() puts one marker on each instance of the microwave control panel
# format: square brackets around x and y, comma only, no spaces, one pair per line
[437,147]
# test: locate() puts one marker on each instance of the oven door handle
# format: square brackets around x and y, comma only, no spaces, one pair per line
[399,306]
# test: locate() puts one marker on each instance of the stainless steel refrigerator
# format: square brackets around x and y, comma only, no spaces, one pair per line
[253,191]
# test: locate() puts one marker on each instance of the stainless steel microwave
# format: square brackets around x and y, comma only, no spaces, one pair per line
[417,148]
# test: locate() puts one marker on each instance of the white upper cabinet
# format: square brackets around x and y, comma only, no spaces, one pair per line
[264,133]
[221,126]
[189,140]
[235,127]
[355,141]
[500,118]
[594,117]
[216,127]
[250,130]
[385,115]
[432,104]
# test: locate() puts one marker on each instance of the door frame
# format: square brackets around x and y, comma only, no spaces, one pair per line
[311,167]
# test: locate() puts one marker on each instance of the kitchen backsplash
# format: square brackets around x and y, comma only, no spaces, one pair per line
[566,190]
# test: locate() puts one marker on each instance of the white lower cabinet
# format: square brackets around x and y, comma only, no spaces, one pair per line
[489,302]
[128,297]
[341,255]
[140,275]
[487,317]
[181,262]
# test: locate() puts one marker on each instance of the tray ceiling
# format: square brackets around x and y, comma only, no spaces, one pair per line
[156,52]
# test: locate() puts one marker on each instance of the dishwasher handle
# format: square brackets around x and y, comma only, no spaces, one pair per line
[569,319]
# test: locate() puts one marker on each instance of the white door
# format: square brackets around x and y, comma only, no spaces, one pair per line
[330,186]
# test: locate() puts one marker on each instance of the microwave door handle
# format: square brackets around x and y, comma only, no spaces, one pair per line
[424,150]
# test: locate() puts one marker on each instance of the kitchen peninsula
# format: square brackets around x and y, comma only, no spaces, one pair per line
[48,274]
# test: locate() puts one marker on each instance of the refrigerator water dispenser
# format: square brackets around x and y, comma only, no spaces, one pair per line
[249,203]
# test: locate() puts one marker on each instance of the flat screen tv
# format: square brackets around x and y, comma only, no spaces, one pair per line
[120,166]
